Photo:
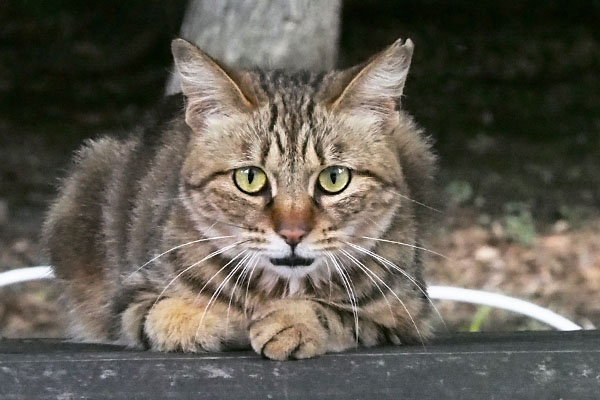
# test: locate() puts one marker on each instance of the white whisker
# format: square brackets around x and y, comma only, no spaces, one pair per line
[217,273]
[173,249]
[329,273]
[229,224]
[310,280]
[245,268]
[219,289]
[248,285]
[387,263]
[376,224]
[211,255]
[365,270]
[414,201]
[349,291]
[404,244]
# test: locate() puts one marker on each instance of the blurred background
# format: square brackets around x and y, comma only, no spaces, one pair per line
[508,90]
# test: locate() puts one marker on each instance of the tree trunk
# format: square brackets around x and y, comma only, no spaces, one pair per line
[291,34]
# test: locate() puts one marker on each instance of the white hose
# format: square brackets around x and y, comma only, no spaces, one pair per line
[435,292]
[504,302]
[25,274]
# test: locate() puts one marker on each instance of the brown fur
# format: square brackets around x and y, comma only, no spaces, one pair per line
[169,189]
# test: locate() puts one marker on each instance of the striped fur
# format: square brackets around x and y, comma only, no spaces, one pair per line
[169,189]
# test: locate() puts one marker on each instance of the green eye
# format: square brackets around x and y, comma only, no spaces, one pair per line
[334,179]
[250,180]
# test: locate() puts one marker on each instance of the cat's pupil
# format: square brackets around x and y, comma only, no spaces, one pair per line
[250,176]
[333,177]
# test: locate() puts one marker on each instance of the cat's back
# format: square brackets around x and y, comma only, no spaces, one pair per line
[104,202]
[105,186]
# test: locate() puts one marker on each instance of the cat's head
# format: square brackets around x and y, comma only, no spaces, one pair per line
[298,166]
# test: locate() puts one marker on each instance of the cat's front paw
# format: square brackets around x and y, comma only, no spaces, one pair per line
[179,325]
[288,329]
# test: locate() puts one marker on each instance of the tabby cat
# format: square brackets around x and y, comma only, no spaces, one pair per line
[266,209]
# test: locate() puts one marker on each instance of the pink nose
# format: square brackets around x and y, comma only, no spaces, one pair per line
[292,236]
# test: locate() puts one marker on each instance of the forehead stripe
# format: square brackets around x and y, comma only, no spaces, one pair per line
[204,181]
[265,149]
[274,114]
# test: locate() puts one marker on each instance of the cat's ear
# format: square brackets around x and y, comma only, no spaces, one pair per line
[210,90]
[376,88]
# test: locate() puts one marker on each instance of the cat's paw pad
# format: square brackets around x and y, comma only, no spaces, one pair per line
[279,337]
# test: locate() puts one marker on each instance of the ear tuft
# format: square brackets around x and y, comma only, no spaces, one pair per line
[378,86]
[209,89]
[183,51]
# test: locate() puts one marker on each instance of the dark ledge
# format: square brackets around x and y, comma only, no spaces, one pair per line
[524,365]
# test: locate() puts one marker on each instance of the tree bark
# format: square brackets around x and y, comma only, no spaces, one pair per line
[291,34]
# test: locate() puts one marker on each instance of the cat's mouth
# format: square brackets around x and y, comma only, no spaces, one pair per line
[292,261]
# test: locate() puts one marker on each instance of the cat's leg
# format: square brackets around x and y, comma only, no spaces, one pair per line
[293,328]
[176,324]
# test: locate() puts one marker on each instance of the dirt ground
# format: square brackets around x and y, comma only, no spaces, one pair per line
[508,92]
